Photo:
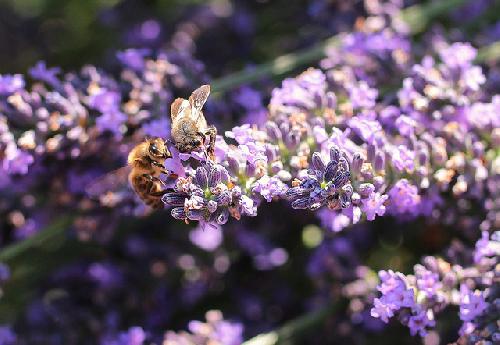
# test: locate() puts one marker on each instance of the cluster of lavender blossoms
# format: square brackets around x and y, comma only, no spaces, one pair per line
[416,299]
[334,141]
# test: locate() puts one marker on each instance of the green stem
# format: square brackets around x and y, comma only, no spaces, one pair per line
[296,328]
[417,17]
[53,235]
[279,66]
[489,53]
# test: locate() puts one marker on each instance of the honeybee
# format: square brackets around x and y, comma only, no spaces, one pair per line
[189,126]
[145,164]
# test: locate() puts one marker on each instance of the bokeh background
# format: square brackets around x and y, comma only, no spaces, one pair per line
[73,287]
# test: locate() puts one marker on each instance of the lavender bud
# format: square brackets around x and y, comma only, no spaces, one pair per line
[250,169]
[318,99]
[233,164]
[423,157]
[178,213]
[296,192]
[379,164]
[341,178]
[273,131]
[198,214]
[201,178]
[478,149]
[345,200]
[317,162]
[371,150]
[331,169]
[292,140]
[335,154]
[301,204]
[214,177]
[331,100]
[271,153]
[174,199]
[357,162]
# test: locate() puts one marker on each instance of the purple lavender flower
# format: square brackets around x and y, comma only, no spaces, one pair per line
[324,184]
[362,96]
[404,198]
[382,310]
[486,247]
[208,195]
[472,303]
[16,161]
[458,55]
[111,121]
[420,321]
[48,75]
[10,84]
[368,129]
[134,336]
[269,187]
[133,58]
[427,281]
[374,205]
[402,158]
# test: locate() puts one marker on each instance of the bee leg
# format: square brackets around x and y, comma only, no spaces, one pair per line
[212,134]
[151,179]
[162,192]
[162,170]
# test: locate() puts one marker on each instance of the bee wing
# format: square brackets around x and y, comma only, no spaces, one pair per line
[199,97]
[110,182]
[178,107]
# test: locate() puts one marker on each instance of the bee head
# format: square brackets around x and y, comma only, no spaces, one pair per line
[158,149]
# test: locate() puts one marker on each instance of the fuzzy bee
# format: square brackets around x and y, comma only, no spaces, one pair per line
[145,164]
[189,126]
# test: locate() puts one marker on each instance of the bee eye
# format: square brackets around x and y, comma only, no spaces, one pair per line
[154,150]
